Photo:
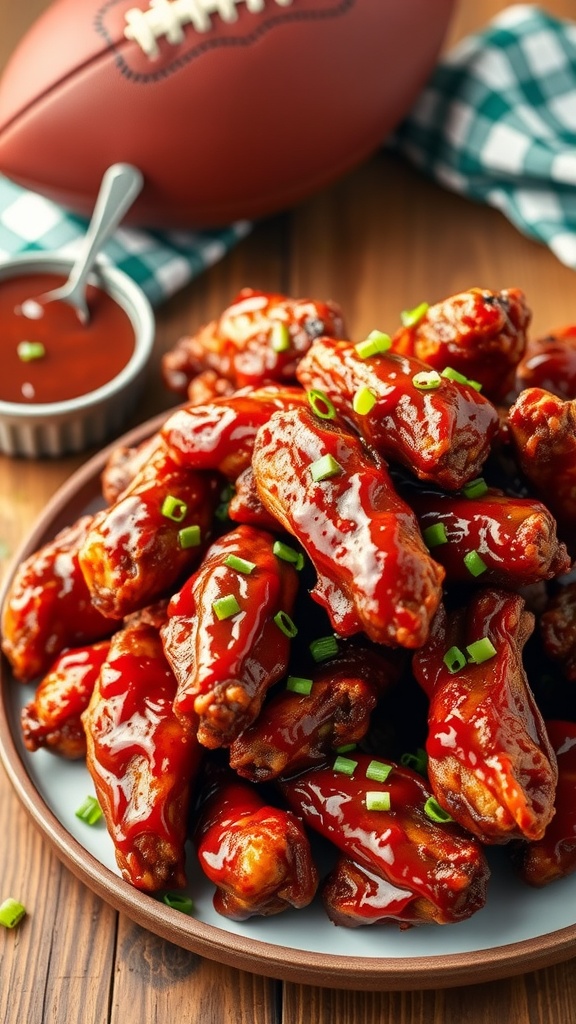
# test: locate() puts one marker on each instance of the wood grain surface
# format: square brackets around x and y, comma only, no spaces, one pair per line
[379,241]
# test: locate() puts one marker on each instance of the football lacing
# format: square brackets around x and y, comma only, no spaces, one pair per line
[167,18]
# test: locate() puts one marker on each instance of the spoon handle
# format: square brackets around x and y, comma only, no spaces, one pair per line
[121,184]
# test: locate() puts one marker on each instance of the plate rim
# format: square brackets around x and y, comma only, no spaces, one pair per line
[327,970]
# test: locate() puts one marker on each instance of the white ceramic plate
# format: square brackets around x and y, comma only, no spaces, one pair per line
[520,928]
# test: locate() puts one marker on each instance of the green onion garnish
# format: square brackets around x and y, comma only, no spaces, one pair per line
[433,811]
[11,913]
[475,488]
[427,380]
[376,801]
[453,374]
[174,508]
[411,317]
[345,765]
[321,404]
[285,624]
[89,811]
[324,647]
[324,468]
[189,536]
[374,345]
[377,771]
[225,607]
[30,350]
[364,401]
[178,901]
[288,554]
[418,761]
[434,535]
[454,659]
[474,563]
[481,650]
[299,685]
[239,564]
[346,748]
[280,337]
[474,384]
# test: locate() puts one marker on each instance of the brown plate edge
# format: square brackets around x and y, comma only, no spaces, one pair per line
[241,952]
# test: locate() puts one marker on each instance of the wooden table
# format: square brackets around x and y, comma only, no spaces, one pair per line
[380,241]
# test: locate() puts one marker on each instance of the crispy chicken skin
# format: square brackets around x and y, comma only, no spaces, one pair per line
[133,551]
[374,572]
[142,760]
[479,333]
[259,338]
[440,870]
[490,763]
[258,856]
[48,606]
[441,434]
[225,661]
[52,719]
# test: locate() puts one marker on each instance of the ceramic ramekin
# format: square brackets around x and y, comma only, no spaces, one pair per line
[60,428]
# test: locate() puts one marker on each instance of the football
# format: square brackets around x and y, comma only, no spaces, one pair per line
[231,109]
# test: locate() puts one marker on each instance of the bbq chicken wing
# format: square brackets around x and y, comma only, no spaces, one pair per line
[53,718]
[337,499]
[258,856]
[48,606]
[549,363]
[143,762]
[439,428]
[258,339]
[557,625]
[490,762]
[228,633]
[437,871]
[479,333]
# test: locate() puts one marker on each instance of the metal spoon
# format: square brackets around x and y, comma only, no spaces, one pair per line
[121,184]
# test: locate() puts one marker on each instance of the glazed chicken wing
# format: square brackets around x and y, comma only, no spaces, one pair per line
[337,499]
[549,363]
[490,762]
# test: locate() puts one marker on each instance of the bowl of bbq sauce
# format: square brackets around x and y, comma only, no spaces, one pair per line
[66,386]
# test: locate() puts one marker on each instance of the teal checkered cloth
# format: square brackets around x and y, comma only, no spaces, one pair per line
[497,123]
[160,262]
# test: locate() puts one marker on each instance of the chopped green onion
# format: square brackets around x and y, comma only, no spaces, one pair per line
[11,913]
[89,811]
[174,508]
[474,384]
[29,350]
[418,761]
[288,554]
[221,511]
[280,337]
[427,380]
[377,771]
[454,659]
[345,765]
[324,647]
[178,901]
[475,488]
[434,535]
[321,404]
[239,564]
[376,801]
[189,536]
[299,685]
[364,401]
[411,317]
[481,650]
[433,811]
[474,563]
[285,624]
[346,748]
[225,607]
[453,374]
[324,468]
[374,345]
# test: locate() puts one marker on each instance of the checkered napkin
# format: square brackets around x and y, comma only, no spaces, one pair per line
[160,262]
[497,123]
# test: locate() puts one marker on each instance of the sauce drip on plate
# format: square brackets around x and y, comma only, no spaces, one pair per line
[77,358]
